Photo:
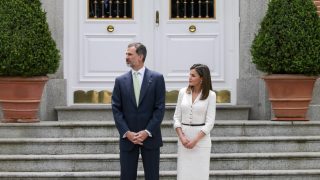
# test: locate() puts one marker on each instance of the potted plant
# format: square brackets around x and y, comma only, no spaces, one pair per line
[27,54]
[287,49]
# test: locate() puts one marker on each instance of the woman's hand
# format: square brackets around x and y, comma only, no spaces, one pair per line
[184,140]
[191,144]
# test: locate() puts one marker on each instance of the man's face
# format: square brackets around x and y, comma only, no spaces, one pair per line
[133,60]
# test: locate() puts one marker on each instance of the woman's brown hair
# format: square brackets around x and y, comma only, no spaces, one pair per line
[206,84]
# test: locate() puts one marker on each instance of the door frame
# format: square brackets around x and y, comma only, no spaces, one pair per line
[72,32]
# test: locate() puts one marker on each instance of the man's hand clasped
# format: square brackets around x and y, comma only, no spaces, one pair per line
[137,138]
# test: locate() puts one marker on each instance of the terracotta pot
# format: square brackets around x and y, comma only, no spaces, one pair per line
[20,98]
[290,95]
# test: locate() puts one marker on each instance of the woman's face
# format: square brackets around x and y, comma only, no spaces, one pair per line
[194,78]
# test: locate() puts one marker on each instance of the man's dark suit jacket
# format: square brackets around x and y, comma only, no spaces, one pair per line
[147,116]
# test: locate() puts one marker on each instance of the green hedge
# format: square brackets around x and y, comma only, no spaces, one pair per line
[26,45]
[288,41]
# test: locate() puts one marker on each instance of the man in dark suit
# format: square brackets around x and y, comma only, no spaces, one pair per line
[138,105]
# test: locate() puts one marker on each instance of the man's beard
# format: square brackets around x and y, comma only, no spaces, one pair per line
[130,64]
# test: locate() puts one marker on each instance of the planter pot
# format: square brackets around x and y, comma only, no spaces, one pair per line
[290,95]
[20,98]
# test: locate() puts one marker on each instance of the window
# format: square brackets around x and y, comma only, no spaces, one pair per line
[192,9]
[110,9]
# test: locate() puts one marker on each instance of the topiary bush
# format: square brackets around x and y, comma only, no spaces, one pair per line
[288,41]
[26,46]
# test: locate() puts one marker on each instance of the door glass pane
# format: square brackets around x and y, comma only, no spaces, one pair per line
[192,9]
[110,9]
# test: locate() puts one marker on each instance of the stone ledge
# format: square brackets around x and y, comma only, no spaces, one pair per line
[115,174]
[104,112]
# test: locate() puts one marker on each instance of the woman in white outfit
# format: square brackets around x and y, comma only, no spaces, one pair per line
[193,120]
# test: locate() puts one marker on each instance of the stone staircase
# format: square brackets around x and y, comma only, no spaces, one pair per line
[242,149]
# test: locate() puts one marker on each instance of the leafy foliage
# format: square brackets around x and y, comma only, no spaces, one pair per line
[288,41]
[26,45]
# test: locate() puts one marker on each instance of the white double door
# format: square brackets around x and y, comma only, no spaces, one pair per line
[94,56]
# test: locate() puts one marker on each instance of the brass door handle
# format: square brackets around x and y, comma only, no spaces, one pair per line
[192,28]
[157,18]
[110,28]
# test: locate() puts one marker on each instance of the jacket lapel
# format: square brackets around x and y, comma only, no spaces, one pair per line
[197,98]
[129,82]
[147,80]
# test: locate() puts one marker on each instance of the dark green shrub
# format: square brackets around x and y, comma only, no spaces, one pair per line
[26,45]
[288,41]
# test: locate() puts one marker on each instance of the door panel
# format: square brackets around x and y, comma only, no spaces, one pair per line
[186,41]
[102,44]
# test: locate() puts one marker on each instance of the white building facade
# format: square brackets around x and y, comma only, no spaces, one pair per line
[93,35]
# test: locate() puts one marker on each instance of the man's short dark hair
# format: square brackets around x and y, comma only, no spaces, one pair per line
[140,49]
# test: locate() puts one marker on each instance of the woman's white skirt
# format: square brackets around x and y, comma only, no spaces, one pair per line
[194,164]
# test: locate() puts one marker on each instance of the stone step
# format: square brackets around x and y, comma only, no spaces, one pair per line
[312,174]
[266,128]
[104,112]
[57,129]
[168,162]
[260,144]
[222,128]
[238,144]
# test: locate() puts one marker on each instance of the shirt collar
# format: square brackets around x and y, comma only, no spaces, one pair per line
[141,71]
